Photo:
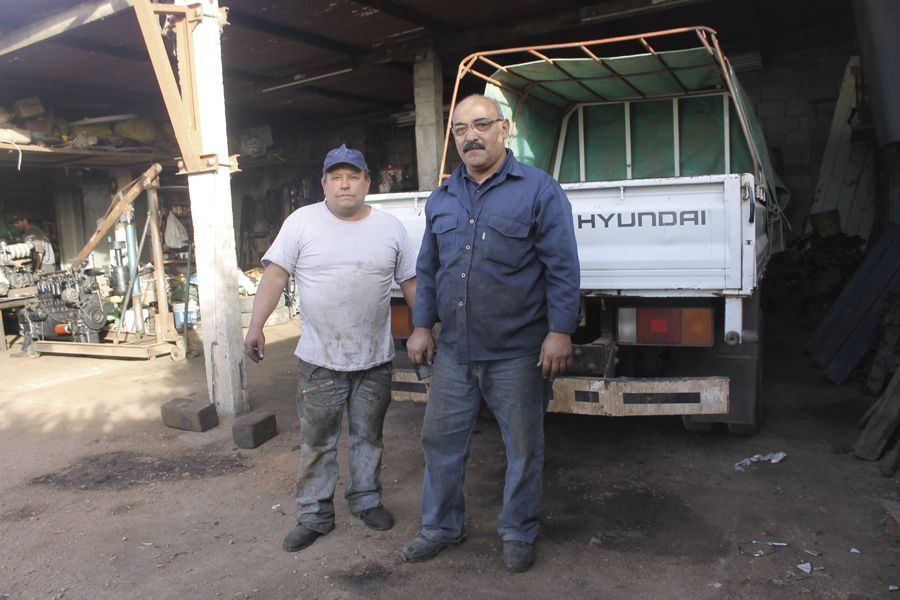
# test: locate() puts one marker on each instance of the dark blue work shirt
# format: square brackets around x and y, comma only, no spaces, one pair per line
[498,264]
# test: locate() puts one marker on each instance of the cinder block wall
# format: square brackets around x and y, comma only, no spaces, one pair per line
[797,93]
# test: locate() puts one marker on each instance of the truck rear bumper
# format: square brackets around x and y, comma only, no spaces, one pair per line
[620,397]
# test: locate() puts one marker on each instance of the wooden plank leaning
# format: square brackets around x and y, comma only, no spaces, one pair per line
[882,364]
[881,427]
[850,327]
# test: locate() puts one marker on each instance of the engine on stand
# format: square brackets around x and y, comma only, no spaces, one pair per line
[73,306]
[68,304]
[12,274]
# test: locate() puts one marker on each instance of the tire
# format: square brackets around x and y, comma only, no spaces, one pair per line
[279,316]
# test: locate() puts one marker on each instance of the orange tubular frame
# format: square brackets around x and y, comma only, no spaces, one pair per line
[466,67]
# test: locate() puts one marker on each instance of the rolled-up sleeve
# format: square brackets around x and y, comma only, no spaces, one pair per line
[558,251]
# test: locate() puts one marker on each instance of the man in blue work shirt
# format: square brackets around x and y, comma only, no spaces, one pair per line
[498,267]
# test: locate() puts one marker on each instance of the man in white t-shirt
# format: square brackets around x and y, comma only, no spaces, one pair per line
[344,255]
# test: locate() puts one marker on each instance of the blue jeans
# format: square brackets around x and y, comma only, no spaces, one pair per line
[321,397]
[515,391]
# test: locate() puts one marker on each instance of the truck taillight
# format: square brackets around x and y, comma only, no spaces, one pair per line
[666,326]
[401,322]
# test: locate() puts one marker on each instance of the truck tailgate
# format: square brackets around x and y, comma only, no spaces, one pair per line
[659,234]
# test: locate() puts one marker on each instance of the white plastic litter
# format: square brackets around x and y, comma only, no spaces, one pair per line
[714,585]
[805,567]
[176,235]
[775,457]
[894,588]
[276,507]
[246,284]
[855,551]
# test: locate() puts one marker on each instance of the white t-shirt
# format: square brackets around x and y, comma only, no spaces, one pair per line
[343,271]
[42,246]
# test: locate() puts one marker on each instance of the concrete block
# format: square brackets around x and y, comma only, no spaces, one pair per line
[254,430]
[190,414]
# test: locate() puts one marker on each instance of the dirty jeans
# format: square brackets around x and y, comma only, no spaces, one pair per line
[515,391]
[321,397]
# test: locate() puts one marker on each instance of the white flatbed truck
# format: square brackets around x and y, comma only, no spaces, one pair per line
[672,252]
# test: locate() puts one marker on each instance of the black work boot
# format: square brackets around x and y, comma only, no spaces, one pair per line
[299,538]
[517,556]
[422,549]
[377,518]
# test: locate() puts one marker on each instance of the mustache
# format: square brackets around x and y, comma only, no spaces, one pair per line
[473,145]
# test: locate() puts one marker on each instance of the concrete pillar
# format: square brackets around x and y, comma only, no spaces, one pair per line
[213,219]
[429,95]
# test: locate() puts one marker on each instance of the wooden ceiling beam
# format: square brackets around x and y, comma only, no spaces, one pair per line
[141,56]
[241,19]
[84,90]
[60,23]
[410,16]
[349,97]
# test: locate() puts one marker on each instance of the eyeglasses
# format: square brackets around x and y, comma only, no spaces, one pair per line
[480,125]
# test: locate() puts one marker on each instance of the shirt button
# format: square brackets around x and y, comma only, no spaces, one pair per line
[460,303]
[471,220]
[464,275]
[468,247]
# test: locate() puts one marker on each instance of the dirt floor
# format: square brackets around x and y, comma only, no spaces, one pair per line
[98,499]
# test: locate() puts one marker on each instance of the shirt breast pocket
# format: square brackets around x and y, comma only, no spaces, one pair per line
[508,241]
[444,228]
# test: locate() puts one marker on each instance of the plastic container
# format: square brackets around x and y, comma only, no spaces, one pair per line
[192,313]
[826,223]
[128,321]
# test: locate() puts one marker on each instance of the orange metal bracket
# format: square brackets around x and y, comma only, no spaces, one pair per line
[182,105]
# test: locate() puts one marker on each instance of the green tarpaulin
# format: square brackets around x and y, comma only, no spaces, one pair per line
[654,91]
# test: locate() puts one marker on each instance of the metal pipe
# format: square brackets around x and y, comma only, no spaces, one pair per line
[187,297]
[459,75]
[135,268]
[133,260]
[751,142]
[612,40]
[676,132]
[162,297]
[628,165]
[582,169]
[130,239]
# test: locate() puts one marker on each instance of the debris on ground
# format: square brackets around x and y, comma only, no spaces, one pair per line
[775,457]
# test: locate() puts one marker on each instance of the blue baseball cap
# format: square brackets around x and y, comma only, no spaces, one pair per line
[344,155]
